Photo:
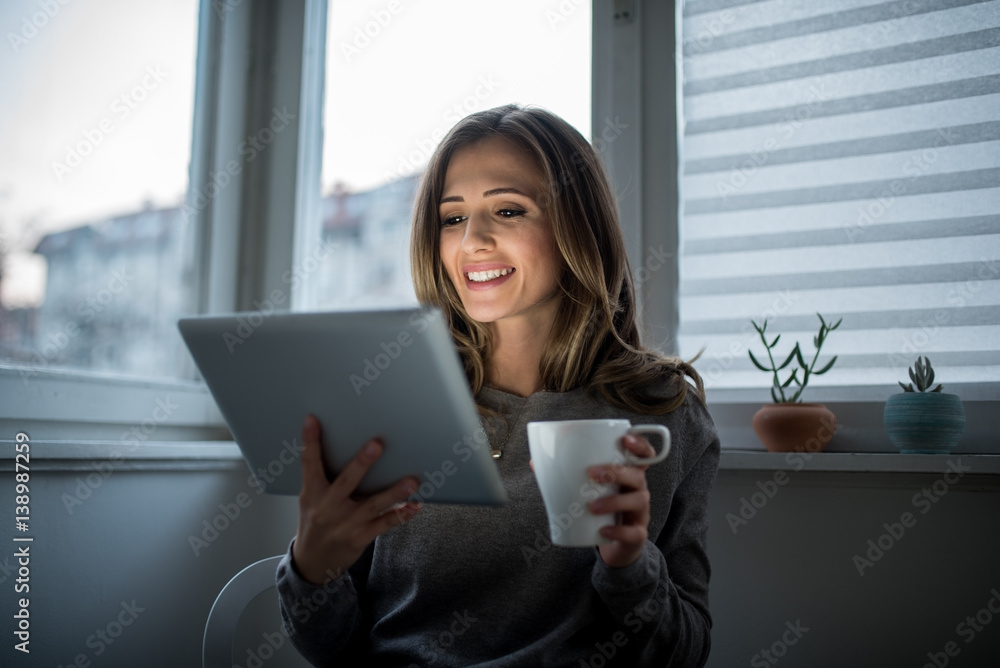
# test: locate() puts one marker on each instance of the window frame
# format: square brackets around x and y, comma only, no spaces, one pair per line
[233,93]
[251,55]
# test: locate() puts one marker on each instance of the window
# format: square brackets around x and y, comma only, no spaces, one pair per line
[95,130]
[256,230]
[386,110]
[842,158]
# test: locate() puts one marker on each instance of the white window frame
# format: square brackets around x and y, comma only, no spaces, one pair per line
[253,56]
[637,70]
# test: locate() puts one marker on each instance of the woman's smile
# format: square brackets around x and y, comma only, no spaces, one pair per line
[486,276]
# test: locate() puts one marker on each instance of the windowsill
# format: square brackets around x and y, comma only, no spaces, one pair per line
[109,456]
[856,462]
[845,393]
[860,428]
[225,455]
[66,405]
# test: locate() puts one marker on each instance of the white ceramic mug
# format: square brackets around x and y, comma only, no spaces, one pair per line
[561,453]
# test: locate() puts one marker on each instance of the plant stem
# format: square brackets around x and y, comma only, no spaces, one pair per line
[820,338]
[774,367]
[805,376]
[770,357]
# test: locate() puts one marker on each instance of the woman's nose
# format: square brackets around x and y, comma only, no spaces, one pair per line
[478,233]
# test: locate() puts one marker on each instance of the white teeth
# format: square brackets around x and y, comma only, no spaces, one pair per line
[483,276]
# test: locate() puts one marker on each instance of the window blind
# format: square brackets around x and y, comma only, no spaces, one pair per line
[841,157]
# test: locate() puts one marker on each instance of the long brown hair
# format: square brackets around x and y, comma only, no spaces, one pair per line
[595,342]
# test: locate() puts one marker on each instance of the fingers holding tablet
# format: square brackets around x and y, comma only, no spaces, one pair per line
[314,480]
[334,527]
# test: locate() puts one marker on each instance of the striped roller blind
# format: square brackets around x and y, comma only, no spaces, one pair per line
[842,157]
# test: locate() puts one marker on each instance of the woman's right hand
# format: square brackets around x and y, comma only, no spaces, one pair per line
[334,526]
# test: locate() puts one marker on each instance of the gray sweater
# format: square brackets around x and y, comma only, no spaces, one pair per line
[478,586]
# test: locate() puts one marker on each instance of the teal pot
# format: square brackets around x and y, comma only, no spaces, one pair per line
[924,422]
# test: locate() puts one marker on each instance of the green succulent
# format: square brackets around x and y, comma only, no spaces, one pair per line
[922,374]
[778,386]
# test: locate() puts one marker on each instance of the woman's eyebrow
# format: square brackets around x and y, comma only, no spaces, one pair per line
[489,193]
[505,191]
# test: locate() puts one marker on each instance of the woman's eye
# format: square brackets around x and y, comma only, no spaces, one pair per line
[510,213]
[447,221]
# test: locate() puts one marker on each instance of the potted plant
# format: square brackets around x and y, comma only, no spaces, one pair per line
[789,425]
[924,420]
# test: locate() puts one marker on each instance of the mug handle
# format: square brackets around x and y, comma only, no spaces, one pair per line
[660,456]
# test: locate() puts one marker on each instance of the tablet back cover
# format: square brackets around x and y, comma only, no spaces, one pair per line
[392,374]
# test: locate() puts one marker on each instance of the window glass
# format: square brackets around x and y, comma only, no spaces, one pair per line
[399,75]
[95,134]
[842,158]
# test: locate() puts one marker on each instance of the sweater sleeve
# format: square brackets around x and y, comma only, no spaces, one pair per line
[326,623]
[661,600]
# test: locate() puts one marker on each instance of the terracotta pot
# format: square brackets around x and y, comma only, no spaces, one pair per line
[794,427]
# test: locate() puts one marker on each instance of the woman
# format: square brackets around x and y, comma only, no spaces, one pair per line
[516,239]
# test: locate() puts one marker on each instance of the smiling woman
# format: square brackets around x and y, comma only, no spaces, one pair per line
[517,239]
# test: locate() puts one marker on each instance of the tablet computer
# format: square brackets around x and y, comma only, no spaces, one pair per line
[393,374]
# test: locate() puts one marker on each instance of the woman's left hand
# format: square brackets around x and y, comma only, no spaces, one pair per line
[628,537]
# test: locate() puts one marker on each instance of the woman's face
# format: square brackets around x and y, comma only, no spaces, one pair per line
[496,241]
